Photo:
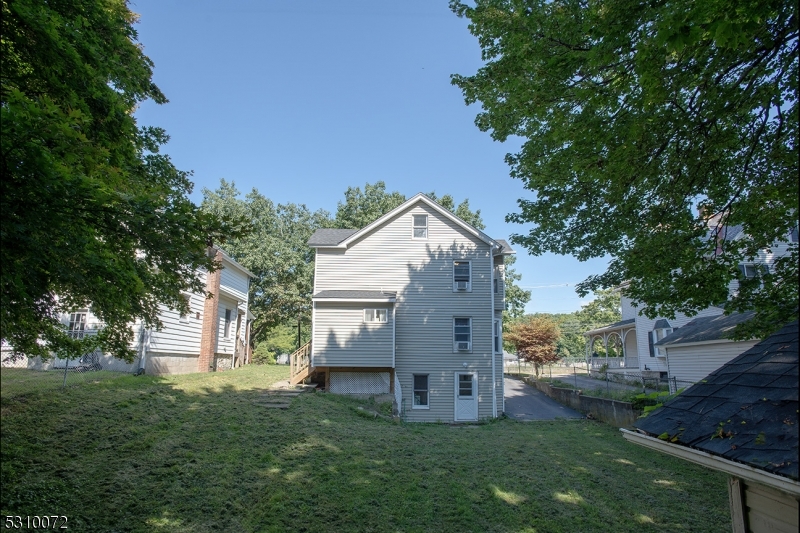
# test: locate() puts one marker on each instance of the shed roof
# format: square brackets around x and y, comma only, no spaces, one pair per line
[356,295]
[708,328]
[329,236]
[745,411]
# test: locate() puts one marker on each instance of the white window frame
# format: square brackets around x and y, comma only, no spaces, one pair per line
[657,335]
[455,342]
[427,390]
[497,344]
[469,281]
[415,227]
[373,315]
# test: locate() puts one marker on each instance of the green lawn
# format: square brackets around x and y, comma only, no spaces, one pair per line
[198,453]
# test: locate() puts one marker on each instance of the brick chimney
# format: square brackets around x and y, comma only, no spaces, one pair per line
[208,336]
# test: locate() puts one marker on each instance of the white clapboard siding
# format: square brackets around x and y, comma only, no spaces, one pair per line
[179,335]
[770,510]
[645,325]
[421,271]
[341,338]
[225,345]
[695,362]
[234,281]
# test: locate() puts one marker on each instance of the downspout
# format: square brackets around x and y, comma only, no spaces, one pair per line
[491,324]
[142,350]
[314,316]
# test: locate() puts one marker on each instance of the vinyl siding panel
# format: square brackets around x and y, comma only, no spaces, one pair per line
[693,363]
[421,271]
[225,345]
[645,325]
[341,338]
[769,510]
[235,281]
[179,336]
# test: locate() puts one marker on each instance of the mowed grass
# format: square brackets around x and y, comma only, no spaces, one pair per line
[202,453]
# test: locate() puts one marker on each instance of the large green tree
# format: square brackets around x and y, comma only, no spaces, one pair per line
[91,212]
[645,125]
[275,250]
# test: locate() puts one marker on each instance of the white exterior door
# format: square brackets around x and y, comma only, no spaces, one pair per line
[466,391]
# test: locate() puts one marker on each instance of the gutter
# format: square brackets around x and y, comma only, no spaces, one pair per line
[714,462]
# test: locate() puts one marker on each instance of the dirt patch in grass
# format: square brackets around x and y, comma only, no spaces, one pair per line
[198,453]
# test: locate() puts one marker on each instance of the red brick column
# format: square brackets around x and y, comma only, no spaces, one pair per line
[208,336]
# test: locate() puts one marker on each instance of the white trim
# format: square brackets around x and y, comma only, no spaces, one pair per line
[414,227]
[469,282]
[419,197]
[492,322]
[376,315]
[475,395]
[313,311]
[717,463]
[233,262]
[677,344]
[428,390]
[394,343]
[471,329]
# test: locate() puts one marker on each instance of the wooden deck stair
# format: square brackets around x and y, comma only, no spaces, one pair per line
[300,364]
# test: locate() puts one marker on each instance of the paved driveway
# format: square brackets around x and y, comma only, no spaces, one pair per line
[524,402]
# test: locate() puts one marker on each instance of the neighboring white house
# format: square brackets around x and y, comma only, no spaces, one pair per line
[410,305]
[212,336]
[646,342]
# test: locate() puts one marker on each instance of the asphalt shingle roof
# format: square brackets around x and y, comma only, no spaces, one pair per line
[745,411]
[709,328]
[329,236]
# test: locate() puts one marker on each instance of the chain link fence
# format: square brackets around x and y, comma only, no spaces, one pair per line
[20,374]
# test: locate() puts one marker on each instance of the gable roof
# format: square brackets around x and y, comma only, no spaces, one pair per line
[325,238]
[745,411]
[708,328]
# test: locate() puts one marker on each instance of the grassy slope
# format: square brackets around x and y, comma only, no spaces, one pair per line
[197,453]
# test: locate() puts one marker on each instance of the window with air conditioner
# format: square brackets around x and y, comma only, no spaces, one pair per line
[419,229]
[462,276]
[462,334]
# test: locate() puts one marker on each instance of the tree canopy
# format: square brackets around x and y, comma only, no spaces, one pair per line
[276,250]
[92,213]
[648,128]
[535,340]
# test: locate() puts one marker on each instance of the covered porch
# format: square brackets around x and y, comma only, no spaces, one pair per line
[619,337]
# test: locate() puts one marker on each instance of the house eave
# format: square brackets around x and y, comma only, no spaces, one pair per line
[365,300]
[708,460]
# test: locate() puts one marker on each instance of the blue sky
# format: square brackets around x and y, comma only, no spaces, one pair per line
[301,99]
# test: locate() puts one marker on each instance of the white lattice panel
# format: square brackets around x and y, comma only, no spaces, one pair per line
[360,382]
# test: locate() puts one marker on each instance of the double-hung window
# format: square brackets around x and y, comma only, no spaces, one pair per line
[462,276]
[185,316]
[375,316]
[462,334]
[420,227]
[77,325]
[496,336]
[420,392]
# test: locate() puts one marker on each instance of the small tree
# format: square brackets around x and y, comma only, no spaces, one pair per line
[535,340]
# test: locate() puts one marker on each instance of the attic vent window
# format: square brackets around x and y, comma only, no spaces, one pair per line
[420,229]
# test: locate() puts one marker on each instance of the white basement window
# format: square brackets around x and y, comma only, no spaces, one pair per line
[420,227]
[421,392]
[375,315]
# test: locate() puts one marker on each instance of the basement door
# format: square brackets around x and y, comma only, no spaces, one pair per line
[466,391]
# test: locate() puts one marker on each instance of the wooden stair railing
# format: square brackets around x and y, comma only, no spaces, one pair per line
[300,364]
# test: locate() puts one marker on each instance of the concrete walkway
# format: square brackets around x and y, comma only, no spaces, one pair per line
[524,402]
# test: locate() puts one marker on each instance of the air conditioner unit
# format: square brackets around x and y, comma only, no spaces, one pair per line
[461,285]
[462,346]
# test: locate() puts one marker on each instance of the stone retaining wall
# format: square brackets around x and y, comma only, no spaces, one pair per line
[613,412]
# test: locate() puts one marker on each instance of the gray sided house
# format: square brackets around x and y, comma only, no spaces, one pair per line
[410,305]
[742,420]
